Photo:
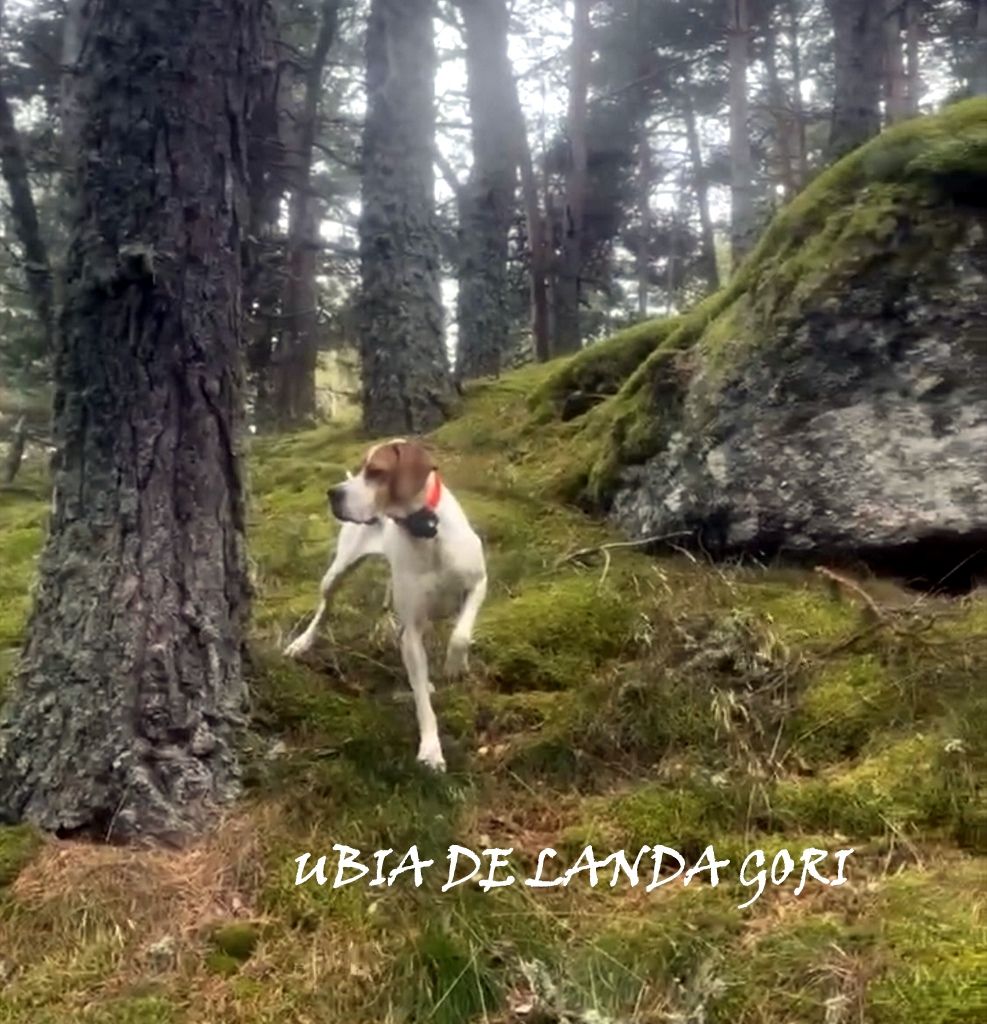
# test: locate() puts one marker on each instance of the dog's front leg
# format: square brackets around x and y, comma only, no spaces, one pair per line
[356,542]
[457,654]
[416,664]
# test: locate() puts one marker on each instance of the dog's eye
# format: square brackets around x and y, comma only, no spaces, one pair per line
[371,473]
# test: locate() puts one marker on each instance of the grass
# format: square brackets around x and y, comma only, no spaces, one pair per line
[614,703]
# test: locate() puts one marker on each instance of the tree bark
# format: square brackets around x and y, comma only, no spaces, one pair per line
[781,112]
[978,76]
[710,269]
[567,334]
[798,107]
[15,453]
[743,216]
[406,381]
[263,253]
[913,25]
[857,97]
[895,80]
[488,203]
[122,716]
[297,349]
[645,176]
[24,217]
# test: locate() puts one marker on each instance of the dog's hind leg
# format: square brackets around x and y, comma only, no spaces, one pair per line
[356,542]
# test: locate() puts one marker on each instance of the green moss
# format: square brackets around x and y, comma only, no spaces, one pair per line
[18,846]
[237,939]
[558,634]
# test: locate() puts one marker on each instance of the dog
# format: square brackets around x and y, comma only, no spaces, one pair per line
[397,506]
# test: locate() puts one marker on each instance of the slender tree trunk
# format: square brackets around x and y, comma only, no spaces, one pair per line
[645,178]
[539,253]
[483,312]
[567,335]
[406,381]
[263,254]
[710,269]
[297,351]
[913,25]
[743,217]
[15,453]
[857,99]
[798,107]
[978,76]
[895,80]
[121,718]
[24,217]
[780,110]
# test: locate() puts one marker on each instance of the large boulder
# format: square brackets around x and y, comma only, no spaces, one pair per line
[834,398]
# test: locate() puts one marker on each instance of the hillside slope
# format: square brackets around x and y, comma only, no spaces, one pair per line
[616,700]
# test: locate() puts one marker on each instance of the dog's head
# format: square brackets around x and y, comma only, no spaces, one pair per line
[390,481]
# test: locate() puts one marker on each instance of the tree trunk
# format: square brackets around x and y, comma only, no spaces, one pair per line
[24,216]
[406,382]
[263,254]
[857,98]
[742,212]
[15,453]
[798,107]
[566,334]
[780,110]
[645,177]
[121,719]
[488,204]
[710,269]
[297,350]
[978,76]
[895,81]
[913,25]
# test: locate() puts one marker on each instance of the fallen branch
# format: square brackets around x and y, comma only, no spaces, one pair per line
[605,549]
[855,588]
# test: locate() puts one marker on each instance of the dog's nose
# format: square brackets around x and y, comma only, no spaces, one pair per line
[335,496]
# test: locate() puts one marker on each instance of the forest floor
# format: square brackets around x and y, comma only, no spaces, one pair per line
[615,699]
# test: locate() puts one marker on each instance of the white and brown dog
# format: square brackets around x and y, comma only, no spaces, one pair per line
[397,506]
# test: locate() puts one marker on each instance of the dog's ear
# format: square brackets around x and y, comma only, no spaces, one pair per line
[414,463]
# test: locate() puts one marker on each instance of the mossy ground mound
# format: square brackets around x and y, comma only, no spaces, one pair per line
[616,700]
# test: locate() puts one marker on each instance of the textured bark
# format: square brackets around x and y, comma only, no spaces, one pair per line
[24,217]
[297,349]
[710,269]
[566,331]
[856,102]
[121,718]
[406,381]
[895,78]
[978,76]
[743,224]
[488,203]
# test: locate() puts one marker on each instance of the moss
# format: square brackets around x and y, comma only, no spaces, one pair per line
[18,846]
[218,962]
[237,939]
[556,635]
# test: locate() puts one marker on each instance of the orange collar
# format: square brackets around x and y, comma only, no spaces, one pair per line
[434,492]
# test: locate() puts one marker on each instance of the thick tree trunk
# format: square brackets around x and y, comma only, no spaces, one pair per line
[406,381]
[566,332]
[978,76]
[488,204]
[857,99]
[710,268]
[742,211]
[24,217]
[895,80]
[297,351]
[121,718]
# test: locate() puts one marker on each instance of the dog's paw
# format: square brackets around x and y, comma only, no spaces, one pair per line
[301,645]
[430,755]
[457,658]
